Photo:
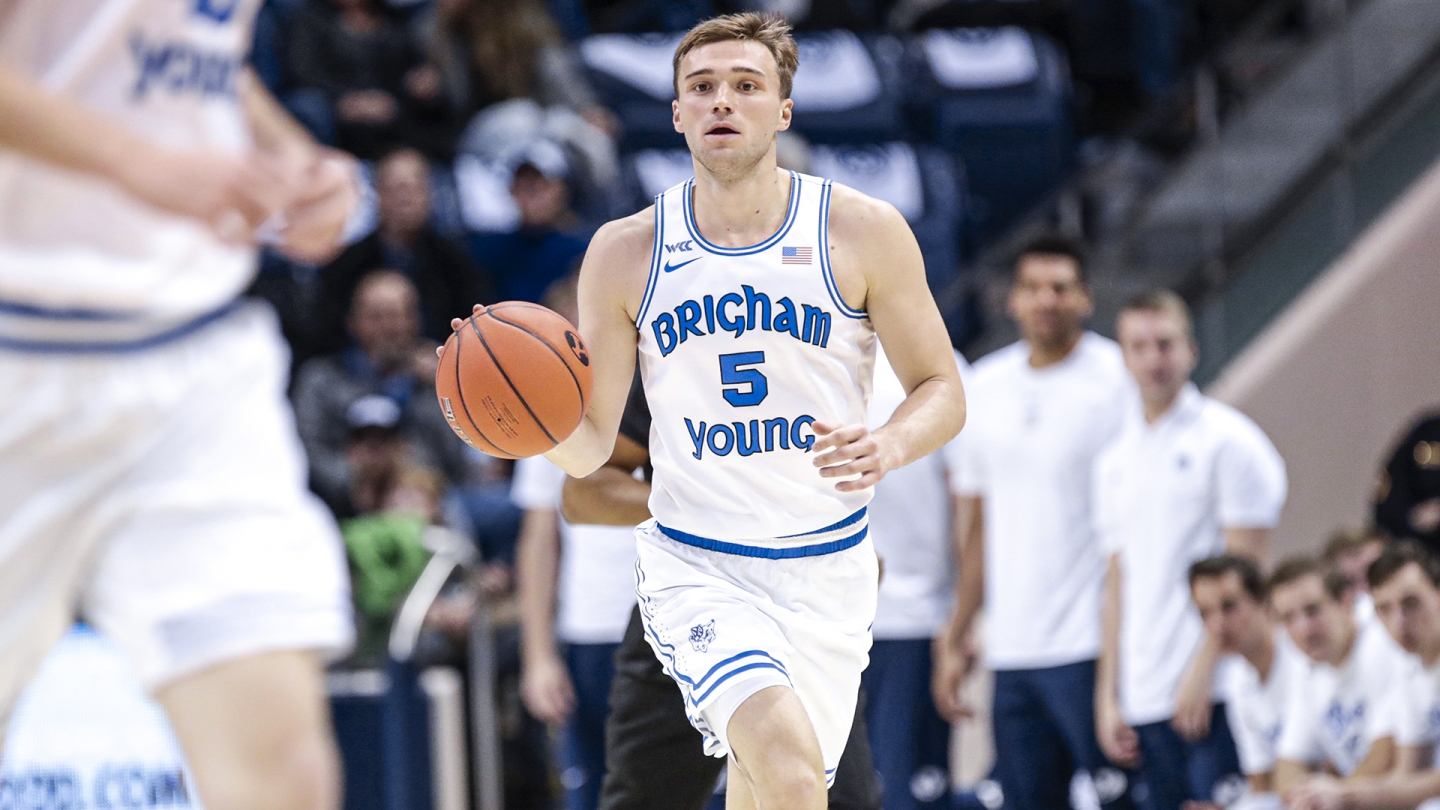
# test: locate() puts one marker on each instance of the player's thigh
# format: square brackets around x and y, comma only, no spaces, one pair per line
[256,731]
[772,740]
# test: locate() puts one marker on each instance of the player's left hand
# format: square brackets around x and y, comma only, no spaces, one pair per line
[326,194]
[852,450]
[1193,706]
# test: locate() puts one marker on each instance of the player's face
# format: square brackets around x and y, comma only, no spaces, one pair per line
[1158,352]
[1409,605]
[1231,615]
[1048,300]
[1319,626]
[728,105]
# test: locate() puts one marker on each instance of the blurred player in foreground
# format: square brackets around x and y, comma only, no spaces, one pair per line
[754,297]
[150,476]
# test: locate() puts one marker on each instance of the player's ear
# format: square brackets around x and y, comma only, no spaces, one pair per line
[675,116]
[786,111]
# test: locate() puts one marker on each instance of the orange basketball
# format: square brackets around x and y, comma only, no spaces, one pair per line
[514,380]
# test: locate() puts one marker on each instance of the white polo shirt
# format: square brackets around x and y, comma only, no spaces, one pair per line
[1336,714]
[597,563]
[1164,493]
[1420,720]
[1254,706]
[910,526]
[1030,443]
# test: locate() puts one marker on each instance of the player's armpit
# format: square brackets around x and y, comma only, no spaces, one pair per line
[877,263]
[612,282]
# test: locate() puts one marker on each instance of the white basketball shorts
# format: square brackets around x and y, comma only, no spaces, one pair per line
[726,626]
[161,495]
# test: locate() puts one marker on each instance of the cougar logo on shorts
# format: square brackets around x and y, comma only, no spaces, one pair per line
[701,635]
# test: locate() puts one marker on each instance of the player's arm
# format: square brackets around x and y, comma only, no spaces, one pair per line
[877,262]
[544,683]
[612,281]
[324,186]
[233,193]
[612,495]
[951,647]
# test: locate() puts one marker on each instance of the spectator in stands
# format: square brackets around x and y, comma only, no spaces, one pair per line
[388,361]
[373,87]
[1350,553]
[1188,478]
[1342,713]
[546,246]
[1405,581]
[1230,595]
[447,279]
[1041,410]
[1408,497]
[912,517]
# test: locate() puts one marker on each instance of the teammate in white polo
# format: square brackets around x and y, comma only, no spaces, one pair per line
[149,470]
[1230,596]
[576,588]
[1186,479]
[1405,583]
[911,525]
[1042,409]
[1344,713]
[754,297]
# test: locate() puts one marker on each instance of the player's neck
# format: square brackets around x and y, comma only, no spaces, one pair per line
[741,211]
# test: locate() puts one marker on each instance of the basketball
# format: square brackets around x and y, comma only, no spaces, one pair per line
[514,380]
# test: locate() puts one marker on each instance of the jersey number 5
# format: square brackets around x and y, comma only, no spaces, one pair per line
[732,374]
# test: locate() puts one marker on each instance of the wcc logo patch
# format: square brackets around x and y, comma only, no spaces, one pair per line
[701,635]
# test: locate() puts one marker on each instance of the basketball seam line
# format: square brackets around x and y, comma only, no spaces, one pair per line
[527,330]
[460,392]
[483,342]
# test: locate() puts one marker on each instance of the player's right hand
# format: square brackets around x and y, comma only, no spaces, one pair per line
[546,690]
[1117,739]
[233,194]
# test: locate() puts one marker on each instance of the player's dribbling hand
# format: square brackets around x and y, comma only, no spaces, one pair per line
[546,689]
[846,450]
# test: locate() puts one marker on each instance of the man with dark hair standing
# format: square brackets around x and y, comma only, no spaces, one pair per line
[1405,582]
[1230,596]
[1343,714]
[1188,478]
[1043,409]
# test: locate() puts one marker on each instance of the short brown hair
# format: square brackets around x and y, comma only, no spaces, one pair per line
[1242,567]
[1296,568]
[1396,557]
[1163,301]
[770,30]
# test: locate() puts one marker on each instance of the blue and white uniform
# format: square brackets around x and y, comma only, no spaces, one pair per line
[755,570]
[149,469]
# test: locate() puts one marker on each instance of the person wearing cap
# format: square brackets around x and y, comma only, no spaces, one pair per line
[379,384]
[1187,478]
[548,244]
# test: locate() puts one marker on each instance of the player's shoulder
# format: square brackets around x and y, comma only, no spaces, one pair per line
[627,237]
[857,216]
[619,257]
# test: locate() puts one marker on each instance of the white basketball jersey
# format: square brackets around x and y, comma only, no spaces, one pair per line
[77,252]
[741,351]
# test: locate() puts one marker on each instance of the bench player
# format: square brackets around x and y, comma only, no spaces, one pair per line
[149,472]
[754,296]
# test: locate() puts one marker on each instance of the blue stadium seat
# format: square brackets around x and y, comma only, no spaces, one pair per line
[1000,99]
[925,183]
[846,91]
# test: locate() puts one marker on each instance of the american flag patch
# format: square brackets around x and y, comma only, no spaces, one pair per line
[796,255]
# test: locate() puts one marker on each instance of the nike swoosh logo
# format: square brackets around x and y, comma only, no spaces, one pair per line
[670,268]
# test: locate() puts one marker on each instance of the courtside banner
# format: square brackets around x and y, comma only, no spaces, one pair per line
[85,736]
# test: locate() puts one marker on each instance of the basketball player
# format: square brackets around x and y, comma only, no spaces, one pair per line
[149,470]
[754,297]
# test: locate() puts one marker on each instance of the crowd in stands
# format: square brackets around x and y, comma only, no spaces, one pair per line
[493,150]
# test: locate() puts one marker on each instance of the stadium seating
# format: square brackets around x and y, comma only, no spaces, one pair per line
[999,98]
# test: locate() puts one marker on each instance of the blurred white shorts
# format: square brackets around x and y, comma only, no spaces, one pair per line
[161,495]
[726,626]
